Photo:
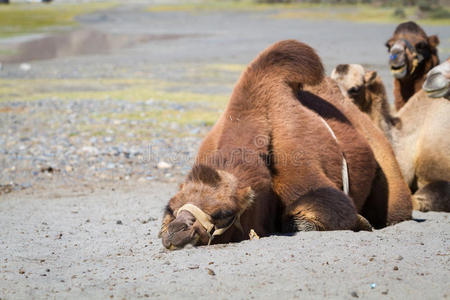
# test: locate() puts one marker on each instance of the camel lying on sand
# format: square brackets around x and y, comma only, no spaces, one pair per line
[419,133]
[411,55]
[288,154]
[437,83]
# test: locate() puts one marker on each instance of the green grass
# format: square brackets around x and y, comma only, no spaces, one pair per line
[22,18]
[314,11]
[102,89]
[188,117]
[361,14]
[206,110]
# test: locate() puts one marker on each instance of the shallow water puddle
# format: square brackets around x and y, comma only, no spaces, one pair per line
[78,42]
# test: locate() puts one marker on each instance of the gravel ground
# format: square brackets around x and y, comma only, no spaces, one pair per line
[55,139]
[82,189]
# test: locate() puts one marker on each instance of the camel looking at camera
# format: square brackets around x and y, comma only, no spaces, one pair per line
[437,83]
[288,154]
[419,133]
[411,55]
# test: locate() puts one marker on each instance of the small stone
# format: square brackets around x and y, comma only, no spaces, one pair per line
[164,165]
[193,267]
[69,169]
[385,292]
[21,271]
[110,166]
[395,268]
[89,150]
[373,285]
[253,235]
[25,67]
[354,294]
[119,222]
[211,272]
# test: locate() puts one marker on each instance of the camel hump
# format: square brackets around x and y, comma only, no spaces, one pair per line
[290,61]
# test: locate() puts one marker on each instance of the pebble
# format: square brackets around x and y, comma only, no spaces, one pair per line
[164,165]
[90,150]
[25,67]
[211,272]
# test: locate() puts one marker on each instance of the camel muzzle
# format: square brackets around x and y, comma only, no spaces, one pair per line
[206,221]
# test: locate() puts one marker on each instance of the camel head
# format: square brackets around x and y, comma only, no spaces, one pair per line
[353,81]
[208,204]
[409,48]
[437,83]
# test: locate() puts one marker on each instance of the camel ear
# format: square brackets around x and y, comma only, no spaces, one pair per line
[433,41]
[388,45]
[245,197]
[369,77]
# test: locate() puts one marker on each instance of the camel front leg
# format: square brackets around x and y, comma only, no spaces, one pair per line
[325,208]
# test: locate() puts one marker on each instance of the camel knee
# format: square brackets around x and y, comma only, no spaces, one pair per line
[322,209]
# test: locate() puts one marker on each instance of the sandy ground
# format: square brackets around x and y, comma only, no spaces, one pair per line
[86,239]
[82,244]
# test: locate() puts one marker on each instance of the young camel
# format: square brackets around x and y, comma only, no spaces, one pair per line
[437,83]
[411,55]
[368,93]
[276,159]
[419,133]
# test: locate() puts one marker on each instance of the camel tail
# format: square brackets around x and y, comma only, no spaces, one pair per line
[290,61]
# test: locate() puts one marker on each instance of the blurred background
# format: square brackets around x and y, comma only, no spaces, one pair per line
[94,93]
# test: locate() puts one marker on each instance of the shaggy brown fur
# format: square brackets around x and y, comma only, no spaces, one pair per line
[420,140]
[410,45]
[278,163]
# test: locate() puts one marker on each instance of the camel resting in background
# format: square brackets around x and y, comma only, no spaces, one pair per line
[419,133]
[366,89]
[411,55]
[437,83]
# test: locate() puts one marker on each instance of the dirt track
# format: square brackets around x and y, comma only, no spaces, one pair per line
[95,235]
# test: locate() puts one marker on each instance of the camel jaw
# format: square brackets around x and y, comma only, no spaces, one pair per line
[399,72]
[437,93]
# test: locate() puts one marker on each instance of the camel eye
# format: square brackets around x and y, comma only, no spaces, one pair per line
[168,210]
[222,214]
[388,46]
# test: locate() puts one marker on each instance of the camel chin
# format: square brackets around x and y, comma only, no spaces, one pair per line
[438,93]
[399,72]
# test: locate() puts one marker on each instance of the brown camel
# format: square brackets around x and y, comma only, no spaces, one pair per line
[437,83]
[419,133]
[276,159]
[411,55]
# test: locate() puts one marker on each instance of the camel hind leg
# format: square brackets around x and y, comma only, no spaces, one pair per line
[434,196]
[323,209]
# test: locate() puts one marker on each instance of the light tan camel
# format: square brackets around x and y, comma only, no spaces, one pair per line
[419,133]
